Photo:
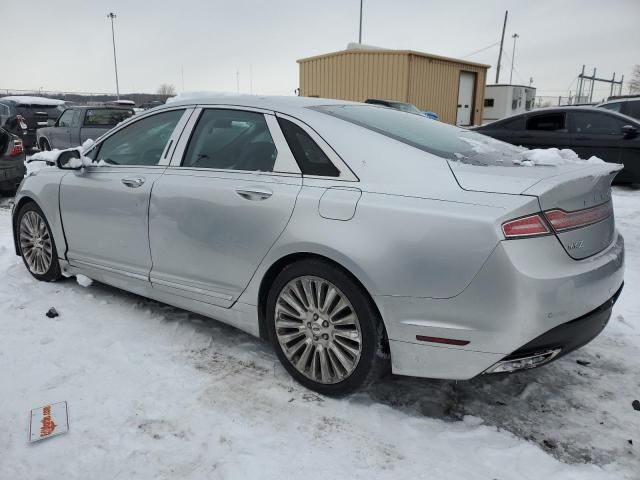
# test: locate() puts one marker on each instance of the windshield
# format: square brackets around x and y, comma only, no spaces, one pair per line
[406,107]
[447,141]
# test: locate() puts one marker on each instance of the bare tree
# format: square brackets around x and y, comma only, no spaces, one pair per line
[166,90]
[634,83]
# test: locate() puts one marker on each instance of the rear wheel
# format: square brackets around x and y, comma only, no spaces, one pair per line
[36,245]
[324,328]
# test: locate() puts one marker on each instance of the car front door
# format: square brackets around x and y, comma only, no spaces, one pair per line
[104,208]
[60,134]
[544,130]
[220,206]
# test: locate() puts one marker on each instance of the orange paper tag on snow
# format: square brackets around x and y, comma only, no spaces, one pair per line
[48,421]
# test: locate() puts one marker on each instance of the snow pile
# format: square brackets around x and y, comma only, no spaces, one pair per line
[484,145]
[27,100]
[552,157]
[83,280]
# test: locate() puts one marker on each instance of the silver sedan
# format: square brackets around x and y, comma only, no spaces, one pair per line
[353,237]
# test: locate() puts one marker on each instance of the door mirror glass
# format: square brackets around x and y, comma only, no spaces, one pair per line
[629,131]
[69,160]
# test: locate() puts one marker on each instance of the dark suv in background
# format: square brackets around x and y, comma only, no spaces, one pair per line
[629,106]
[23,115]
[12,158]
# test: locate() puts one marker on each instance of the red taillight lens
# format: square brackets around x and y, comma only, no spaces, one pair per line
[561,220]
[530,226]
[17,148]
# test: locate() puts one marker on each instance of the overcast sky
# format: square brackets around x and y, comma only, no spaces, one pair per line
[66,44]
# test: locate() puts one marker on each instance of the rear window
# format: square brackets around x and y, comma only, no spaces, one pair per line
[105,117]
[437,138]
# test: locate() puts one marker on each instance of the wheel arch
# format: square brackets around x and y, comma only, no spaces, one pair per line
[14,219]
[280,264]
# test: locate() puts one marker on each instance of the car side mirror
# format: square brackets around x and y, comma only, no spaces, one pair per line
[65,160]
[629,131]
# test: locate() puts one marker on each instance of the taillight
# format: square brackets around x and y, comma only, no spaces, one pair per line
[530,226]
[561,220]
[17,148]
[22,122]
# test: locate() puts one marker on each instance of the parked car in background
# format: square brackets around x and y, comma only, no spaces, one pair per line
[627,106]
[78,124]
[12,157]
[23,115]
[347,234]
[589,131]
[403,106]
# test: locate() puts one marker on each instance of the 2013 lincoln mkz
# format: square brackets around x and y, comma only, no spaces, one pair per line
[350,236]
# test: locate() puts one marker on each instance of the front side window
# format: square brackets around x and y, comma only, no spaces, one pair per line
[231,140]
[309,156]
[106,117]
[66,119]
[596,123]
[142,142]
[551,122]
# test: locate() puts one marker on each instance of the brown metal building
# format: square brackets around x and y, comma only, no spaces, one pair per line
[452,88]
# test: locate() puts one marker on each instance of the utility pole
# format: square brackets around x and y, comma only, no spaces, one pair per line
[593,83]
[504,27]
[513,56]
[182,72]
[238,81]
[115,62]
[360,31]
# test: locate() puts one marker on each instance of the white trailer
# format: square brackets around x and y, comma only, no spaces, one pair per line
[502,101]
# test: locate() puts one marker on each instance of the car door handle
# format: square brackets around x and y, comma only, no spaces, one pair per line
[133,182]
[254,193]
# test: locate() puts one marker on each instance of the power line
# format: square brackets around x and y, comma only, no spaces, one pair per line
[481,50]
[514,69]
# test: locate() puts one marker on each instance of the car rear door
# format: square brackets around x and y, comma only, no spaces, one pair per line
[544,130]
[104,209]
[222,203]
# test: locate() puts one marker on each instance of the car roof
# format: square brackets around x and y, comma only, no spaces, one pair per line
[284,104]
[621,100]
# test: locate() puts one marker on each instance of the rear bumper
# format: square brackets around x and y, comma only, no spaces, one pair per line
[529,294]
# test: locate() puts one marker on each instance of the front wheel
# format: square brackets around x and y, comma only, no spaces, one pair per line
[44,145]
[36,245]
[324,328]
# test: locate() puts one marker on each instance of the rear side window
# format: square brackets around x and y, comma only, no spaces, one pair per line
[310,157]
[551,122]
[596,123]
[231,140]
[104,117]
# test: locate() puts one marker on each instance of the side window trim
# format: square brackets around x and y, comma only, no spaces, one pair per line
[346,174]
[164,158]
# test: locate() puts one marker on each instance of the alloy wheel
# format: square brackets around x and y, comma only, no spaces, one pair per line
[318,329]
[35,242]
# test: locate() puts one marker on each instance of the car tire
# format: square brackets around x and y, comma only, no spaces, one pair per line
[306,326]
[36,244]
[44,145]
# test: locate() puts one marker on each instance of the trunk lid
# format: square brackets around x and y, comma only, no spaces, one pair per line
[570,187]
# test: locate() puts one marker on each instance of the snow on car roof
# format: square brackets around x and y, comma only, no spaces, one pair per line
[258,101]
[27,100]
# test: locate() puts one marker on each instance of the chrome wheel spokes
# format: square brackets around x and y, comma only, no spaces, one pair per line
[35,242]
[318,329]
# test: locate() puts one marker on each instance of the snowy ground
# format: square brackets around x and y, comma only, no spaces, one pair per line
[156,392]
